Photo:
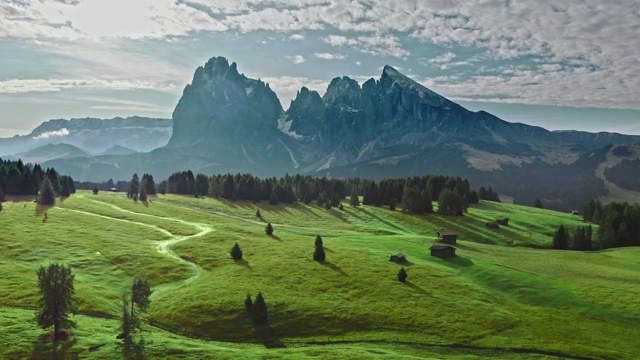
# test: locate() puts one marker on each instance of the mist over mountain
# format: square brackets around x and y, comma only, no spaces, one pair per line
[226,122]
[94,135]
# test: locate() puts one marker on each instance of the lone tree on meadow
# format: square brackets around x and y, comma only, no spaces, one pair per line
[269,229]
[137,304]
[46,195]
[259,310]
[95,190]
[56,287]
[318,240]
[258,215]
[319,254]
[236,252]
[402,275]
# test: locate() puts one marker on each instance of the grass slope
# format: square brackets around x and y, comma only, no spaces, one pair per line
[499,298]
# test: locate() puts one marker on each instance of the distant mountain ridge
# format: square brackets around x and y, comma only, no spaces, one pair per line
[94,135]
[386,127]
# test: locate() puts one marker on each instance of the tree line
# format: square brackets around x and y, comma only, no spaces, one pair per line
[17,178]
[619,222]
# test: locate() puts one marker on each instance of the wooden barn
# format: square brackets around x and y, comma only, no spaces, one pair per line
[399,258]
[503,221]
[492,225]
[447,237]
[443,251]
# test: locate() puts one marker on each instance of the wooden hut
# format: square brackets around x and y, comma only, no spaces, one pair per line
[447,237]
[492,225]
[443,251]
[503,221]
[399,258]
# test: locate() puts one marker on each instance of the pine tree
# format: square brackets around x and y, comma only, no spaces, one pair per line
[248,303]
[134,187]
[47,196]
[95,190]
[402,275]
[273,199]
[140,300]
[538,204]
[236,253]
[354,201]
[269,229]
[319,254]
[560,239]
[66,191]
[143,194]
[392,204]
[57,302]
[318,241]
[259,310]
[258,215]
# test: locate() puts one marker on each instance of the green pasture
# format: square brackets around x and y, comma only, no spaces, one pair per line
[503,296]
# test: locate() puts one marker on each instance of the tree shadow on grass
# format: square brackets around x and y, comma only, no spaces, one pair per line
[404,263]
[244,263]
[415,287]
[327,249]
[46,348]
[145,203]
[268,337]
[334,267]
[276,237]
[132,350]
[459,261]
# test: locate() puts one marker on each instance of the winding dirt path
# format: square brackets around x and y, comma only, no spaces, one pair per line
[163,247]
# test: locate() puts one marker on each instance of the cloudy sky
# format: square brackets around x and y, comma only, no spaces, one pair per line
[558,64]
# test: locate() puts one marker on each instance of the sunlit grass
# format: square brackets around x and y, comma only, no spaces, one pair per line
[498,293]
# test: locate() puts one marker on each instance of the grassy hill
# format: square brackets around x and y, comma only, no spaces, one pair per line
[500,298]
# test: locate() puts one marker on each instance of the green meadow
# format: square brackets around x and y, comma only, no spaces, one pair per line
[503,296]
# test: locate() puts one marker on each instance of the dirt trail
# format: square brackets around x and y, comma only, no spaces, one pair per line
[163,247]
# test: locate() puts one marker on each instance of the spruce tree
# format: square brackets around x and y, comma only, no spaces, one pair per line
[538,204]
[258,215]
[46,196]
[139,302]
[560,239]
[95,190]
[143,194]
[57,302]
[319,254]
[248,303]
[392,204]
[66,191]
[319,240]
[269,229]
[402,275]
[134,187]
[236,253]
[273,199]
[259,310]
[354,201]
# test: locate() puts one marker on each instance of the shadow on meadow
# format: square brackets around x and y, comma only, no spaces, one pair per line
[334,267]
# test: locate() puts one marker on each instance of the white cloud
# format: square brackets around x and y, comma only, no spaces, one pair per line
[328,56]
[444,58]
[15,86]
[296,59]
[296,37]
[49,134]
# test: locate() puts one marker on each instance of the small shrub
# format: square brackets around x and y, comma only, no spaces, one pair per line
[95,190]
[269,229]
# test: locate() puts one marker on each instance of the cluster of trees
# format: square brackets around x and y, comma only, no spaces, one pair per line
[257,309]
[57,302]
[17,178]
[625,174]
[416,193]
[619,223]
[140,189]
[488,194]
[582,239]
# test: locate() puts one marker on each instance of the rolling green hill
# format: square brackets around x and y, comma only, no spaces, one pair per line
[501,297]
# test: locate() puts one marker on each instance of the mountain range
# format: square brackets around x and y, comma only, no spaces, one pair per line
[386,127]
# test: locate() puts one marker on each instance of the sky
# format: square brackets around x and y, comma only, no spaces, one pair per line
[556,64]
